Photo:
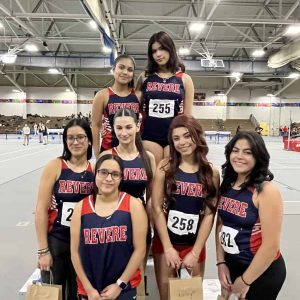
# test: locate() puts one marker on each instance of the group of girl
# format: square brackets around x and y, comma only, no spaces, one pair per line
[96,226]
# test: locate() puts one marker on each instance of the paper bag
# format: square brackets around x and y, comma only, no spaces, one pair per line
[186,289]
[43,292]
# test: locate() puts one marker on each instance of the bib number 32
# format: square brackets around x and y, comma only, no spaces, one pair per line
[226,236]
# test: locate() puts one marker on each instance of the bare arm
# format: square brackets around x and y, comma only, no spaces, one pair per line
[140,81]
[189,94]
[270,214]
[47,181]
[149,202]
[99,104]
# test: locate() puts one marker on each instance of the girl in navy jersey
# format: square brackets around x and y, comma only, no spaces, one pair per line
[108,237]
[139,165]
[249,261]
[167,92]
[184,202]
[108,101]
[65,181]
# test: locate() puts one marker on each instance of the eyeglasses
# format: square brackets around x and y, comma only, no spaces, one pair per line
[80,138]
[103,173]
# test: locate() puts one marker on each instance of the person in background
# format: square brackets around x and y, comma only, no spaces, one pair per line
[166,92]
[35,129]
[26,134]
[108,101]
[40,132]
[238,129]
[184,199]
[65,181]
[108,237]
[248,229]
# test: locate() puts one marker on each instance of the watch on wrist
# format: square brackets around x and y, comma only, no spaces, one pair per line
[121,284]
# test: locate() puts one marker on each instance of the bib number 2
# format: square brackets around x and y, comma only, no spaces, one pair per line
[67,212]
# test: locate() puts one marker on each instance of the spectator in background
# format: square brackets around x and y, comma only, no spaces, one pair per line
[238,129]
[26,133]
[35,129]
[40,131]
[285,131]
[258,129]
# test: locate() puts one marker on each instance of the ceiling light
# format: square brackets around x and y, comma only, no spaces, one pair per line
[8,58]
[196,27]
[258,53]
[184,51]
[270,95]
[93,24]
[106,49]
[16,91]
[294,75]
[68,90]
[31,48]
[53,71]
[1,25]
[293,30]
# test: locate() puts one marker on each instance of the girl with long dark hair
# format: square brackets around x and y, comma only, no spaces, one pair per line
[184,203]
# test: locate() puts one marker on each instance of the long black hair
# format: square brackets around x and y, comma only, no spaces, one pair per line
[86,127]
[174,64]
[99,163]
[125,56]
[126,112]
[260,171]
[205,171]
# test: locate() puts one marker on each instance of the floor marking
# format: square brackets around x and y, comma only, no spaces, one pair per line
[22,224]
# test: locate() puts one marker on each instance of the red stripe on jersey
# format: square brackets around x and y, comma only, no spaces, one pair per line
[114,151]
[64,165]
[89,168]
[125,202]
[255,239]
[179,74]
[110,91]
[86,206]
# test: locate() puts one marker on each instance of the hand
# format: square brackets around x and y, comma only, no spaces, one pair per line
[172,258]
[111,292]
[240,288]
[93,294]
[189,261]
[224,277]
[45,262]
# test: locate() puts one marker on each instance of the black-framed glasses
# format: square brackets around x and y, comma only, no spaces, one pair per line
[80,138]
[103,173]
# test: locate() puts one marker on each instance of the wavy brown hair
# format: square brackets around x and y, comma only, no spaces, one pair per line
[205,172]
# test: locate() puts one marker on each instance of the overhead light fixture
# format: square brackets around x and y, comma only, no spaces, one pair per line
[270,95]
[258,53]
[184,51]
[237,75]
[8,58]
[196,27]
[31,48]
[68,90]
[293,30]
[1,25]
[294,75]
[53,71]
[93,24]
[16,91]
[106,49]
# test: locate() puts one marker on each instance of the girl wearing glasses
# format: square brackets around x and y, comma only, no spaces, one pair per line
[108,101]
[184,203]
[108,237]
[65,181]
[166,92]
[139,165]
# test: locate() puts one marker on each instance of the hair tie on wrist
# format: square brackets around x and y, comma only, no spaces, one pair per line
[244,281]
[221,263]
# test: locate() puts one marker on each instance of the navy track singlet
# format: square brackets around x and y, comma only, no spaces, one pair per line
[115,103]
[106,244]
[184,216]
[70,188]
[162,101]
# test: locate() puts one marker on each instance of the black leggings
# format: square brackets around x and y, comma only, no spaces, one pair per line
[62,268]
[265,287]
[126,295]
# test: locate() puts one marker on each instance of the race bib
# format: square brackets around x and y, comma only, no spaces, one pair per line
[226,236]
[161,108]
[181,223]
[67,212]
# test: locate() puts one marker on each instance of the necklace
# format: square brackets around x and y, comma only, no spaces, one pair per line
[164,80]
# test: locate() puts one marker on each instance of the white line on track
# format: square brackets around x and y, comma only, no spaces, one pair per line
[21,150]
[25,155]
